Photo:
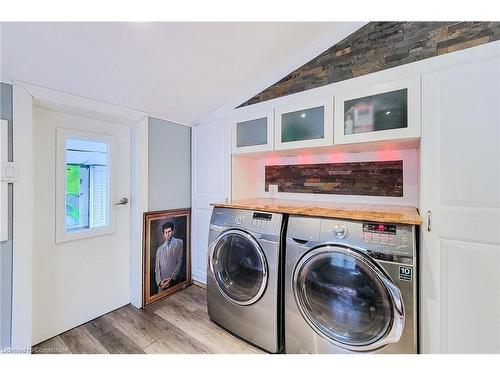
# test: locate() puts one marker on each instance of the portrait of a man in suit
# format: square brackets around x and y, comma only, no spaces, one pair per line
[169,258]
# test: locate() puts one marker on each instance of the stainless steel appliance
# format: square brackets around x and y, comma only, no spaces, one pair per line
[350,287]
[242,275]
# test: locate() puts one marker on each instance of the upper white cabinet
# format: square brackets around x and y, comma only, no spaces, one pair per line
[379,112]
[252,131]
[369,110]
[304,124]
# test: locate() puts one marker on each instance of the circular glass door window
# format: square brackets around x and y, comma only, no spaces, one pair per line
[239,267]
[341,296]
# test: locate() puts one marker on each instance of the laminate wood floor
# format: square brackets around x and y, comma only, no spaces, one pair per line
[178,324]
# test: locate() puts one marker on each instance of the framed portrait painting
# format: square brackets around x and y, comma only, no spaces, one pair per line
[167,258]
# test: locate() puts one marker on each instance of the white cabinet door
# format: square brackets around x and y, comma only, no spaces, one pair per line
[305,123]
[252,130]
[211,183]
[380,112]
[460,186]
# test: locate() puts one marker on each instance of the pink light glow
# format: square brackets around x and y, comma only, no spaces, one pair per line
[305,158]
[388,154]
[336,157]
[273,160]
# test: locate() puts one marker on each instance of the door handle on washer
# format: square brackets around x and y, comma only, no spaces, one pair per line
[299,241]
[399,314]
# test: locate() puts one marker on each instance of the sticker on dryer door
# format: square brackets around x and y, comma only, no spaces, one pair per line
[405,273]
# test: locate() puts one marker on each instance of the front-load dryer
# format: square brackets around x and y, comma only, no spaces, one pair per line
[242,275]
[350,287]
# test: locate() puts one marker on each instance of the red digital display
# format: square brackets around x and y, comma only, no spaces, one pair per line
[379,228]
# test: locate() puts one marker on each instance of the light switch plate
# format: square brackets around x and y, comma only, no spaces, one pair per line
[273,190]
[9,172]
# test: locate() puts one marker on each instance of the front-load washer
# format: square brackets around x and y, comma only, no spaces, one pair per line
[350,287]
[243,295]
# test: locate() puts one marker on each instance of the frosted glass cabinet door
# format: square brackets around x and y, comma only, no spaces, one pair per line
[306,124]
[253,132]
[373,113]
[377,113]
[303,125]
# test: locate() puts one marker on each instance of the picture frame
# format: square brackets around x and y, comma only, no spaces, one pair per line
[167,253]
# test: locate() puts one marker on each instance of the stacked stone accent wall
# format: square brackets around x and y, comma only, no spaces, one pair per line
[378,178]
[378,46]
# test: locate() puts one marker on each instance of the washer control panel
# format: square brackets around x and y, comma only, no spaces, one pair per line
[381,237]
[379,233]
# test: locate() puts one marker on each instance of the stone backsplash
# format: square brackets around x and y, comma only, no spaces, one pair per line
[378,46]
[377,178]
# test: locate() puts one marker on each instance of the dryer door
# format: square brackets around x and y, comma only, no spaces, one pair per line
[347,299]
[239,267]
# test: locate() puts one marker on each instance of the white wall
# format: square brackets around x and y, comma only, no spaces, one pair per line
[6,246]
[138,204]
[22,233]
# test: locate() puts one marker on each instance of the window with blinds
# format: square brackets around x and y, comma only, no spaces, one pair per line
[87,184]
[99,196]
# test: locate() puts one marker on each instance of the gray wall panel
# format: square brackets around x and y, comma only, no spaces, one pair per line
[169,170]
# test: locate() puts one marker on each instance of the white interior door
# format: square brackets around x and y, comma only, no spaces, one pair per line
[460,177]
[211,183]
[81,251]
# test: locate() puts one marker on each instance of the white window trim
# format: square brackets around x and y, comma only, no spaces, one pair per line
[61,234]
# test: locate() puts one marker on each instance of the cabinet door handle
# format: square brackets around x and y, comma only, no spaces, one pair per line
[429,221]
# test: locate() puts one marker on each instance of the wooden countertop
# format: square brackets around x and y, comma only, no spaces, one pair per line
[377,213]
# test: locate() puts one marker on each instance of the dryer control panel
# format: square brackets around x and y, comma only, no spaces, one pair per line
[263,220]
[254,221]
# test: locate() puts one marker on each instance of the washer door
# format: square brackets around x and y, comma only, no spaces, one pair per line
[239,267]
[347,299]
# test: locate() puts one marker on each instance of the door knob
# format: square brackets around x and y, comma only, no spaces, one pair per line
[122,201]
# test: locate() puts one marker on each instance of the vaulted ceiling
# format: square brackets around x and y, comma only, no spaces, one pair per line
[175,71]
